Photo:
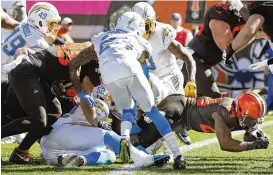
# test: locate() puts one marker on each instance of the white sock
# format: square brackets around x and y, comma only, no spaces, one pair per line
[154,147]
[172,144]
[125,129]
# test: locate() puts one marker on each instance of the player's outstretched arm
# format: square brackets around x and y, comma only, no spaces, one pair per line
[250,29]
[223,133]
[182,53]
[81,59]
[227,143]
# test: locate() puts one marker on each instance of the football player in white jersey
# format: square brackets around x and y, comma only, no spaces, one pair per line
[42,18]
[75,149]
[16,9]
[121,53]
[165,51]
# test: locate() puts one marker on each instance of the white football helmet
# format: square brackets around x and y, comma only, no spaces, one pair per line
[148,14]
[44,16]
[131,22]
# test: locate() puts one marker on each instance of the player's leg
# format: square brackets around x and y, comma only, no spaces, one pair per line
[96,156]
[53,109]
[142,93]
[123,99]
[205,82]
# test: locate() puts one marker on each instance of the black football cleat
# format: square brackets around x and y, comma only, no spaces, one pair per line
[20,157]
[160,160]
[179,163]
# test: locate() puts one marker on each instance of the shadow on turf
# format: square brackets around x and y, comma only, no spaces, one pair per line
[200,165]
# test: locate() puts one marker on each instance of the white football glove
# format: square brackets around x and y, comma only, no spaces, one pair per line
[271,68]
[258,65]
[236,5]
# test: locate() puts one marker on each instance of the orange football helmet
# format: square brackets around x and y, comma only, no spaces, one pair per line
[250,108]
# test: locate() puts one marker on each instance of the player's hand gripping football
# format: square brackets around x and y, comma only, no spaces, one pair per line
[190,89]
[258,65]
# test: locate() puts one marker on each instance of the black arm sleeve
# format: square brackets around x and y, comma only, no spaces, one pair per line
[269,62]
[59,41]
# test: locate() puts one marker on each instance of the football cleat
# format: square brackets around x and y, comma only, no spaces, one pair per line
[21,157]
[70,160]
[19,137]
[179,163]
[124,153]
[186,140]
[160,160]
[8,140]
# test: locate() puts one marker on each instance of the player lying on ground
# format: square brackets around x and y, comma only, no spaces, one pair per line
[122,51]
[260,16]
[85,144]
[220,115]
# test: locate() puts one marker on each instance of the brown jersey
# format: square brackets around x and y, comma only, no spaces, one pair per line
[52,63]
[197,114]
[203,43]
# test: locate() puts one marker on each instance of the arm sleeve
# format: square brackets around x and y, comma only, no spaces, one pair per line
[59,41]
[168,35]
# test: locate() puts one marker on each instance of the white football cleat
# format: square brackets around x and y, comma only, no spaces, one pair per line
[8,140]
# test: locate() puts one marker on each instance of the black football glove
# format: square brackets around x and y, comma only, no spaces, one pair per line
[227,54]
[182,134]
[261,143]
[105,125]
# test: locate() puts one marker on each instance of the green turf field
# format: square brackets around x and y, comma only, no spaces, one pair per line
[205,160]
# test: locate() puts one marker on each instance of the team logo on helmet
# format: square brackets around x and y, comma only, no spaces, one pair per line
[40,7]
[132,20]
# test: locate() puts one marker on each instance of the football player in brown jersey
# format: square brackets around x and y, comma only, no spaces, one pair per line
[220,116]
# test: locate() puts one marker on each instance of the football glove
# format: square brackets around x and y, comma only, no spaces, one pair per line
[258,65]
[182,134]
[190,89]
[261,143]
[105,125]
[227,54]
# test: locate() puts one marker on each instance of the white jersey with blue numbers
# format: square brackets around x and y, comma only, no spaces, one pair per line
[8,6]
[118,53]
[163,61]
[23,35]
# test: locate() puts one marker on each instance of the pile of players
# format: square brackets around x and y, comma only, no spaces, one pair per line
[131,74]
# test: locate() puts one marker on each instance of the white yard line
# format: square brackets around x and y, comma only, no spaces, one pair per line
[129,169]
